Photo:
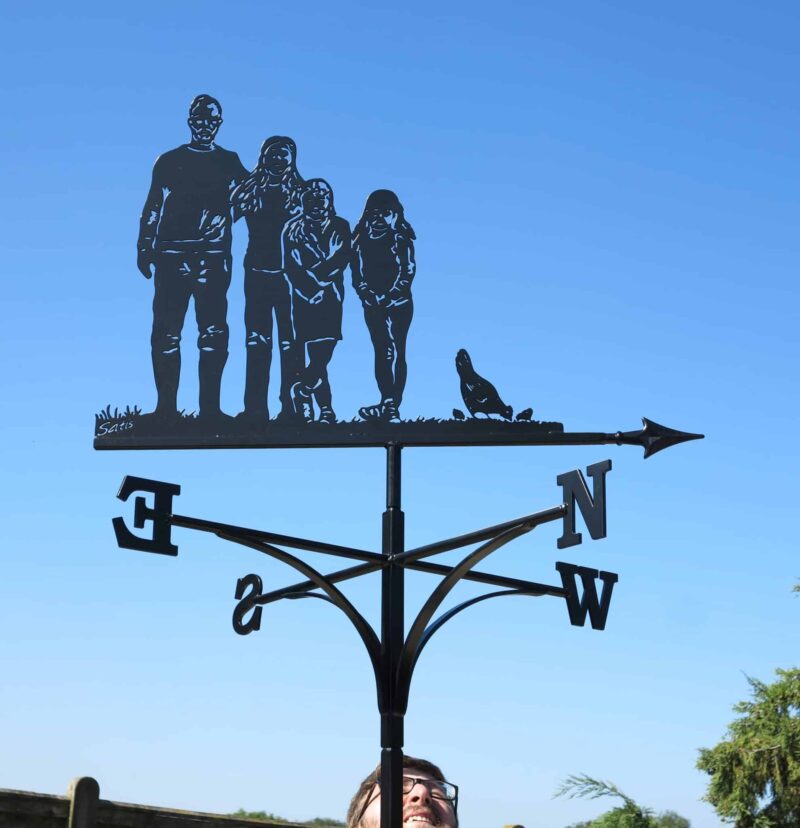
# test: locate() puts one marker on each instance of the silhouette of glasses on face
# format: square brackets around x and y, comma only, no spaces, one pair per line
[205,122]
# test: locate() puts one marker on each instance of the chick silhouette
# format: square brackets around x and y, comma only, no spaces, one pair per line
[458,414]
[524,416]
[480,396]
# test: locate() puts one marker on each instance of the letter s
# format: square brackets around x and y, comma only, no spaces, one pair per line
[246,604]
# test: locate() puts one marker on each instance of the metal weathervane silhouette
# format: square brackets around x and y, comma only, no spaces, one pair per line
[298,253]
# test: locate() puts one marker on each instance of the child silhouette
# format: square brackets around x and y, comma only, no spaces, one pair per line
[383,268]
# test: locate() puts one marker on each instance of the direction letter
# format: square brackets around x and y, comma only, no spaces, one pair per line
[593,507]
[160,514]
[246,603]
[578,607]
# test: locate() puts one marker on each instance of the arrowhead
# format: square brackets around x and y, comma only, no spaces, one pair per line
[655,437]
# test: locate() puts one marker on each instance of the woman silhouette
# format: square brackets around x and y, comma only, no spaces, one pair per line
[383,268]
[316,252]
[268,198]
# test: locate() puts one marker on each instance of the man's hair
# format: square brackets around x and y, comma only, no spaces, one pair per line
[204,100]
[359,802]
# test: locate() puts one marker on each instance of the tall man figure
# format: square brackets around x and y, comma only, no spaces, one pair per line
[185,237]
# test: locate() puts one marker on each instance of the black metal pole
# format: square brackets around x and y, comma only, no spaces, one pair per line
[392,634]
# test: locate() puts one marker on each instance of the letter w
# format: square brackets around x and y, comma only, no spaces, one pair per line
[578,607]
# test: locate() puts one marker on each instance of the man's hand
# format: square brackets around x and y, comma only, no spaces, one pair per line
[144,261]
[316,298]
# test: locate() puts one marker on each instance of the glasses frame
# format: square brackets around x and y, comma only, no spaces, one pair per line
[417,781]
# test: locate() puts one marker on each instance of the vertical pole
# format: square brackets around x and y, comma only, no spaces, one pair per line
[392,634]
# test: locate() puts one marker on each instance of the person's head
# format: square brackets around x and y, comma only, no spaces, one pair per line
[318,200]
[383,213]
[277,157]
[429,801]
[205,119]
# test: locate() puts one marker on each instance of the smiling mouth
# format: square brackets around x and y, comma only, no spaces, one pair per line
[421,819]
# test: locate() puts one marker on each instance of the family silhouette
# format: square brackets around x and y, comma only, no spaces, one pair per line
[297,253]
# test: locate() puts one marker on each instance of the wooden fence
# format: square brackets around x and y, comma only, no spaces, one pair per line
[83,808]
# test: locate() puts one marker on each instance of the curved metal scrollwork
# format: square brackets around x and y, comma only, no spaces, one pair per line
[411,648]
[436,625]
[336,597]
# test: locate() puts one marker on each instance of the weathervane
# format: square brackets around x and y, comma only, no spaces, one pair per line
[299,250]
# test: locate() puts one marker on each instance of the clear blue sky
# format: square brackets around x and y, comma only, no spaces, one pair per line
[605,198]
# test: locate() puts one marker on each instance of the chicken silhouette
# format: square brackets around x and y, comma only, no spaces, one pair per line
[480,396]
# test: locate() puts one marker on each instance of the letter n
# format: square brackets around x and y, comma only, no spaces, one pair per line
[593,507]
[588,602]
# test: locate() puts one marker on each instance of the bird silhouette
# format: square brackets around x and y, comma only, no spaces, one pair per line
[524,416]
[480,396]
[458,414]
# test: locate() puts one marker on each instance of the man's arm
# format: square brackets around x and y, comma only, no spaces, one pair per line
[148,223]
[243,195]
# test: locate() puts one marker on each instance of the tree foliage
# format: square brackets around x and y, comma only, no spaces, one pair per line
[755,771]
[261,816]
[628,815]
[617,818]
[264,816]
[669,819]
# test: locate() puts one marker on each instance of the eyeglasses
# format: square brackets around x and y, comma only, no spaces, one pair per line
[438,789]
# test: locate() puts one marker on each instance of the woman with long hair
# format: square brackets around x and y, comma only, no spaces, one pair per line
[316,252]
[268,198]
[382,269]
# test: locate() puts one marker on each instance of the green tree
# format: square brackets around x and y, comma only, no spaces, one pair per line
[264,816]
[628,815]
[669,819]
[755,771]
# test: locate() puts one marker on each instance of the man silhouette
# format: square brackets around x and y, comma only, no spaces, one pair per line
[185,243]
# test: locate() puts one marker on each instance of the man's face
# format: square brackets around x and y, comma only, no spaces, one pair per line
[204,122]
[422,808]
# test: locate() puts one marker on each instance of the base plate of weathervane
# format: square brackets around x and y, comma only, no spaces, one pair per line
[132,430]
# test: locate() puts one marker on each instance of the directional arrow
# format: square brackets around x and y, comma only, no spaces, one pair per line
[655,437]
[471,432]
